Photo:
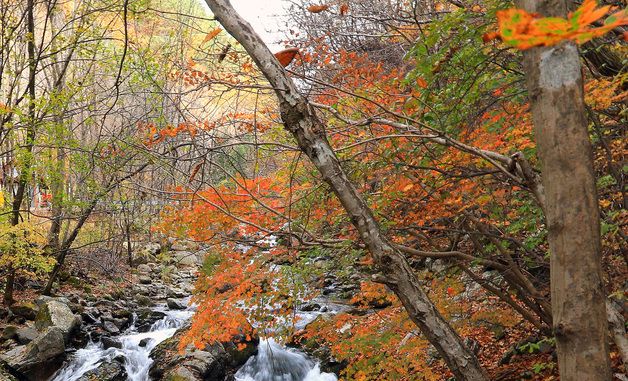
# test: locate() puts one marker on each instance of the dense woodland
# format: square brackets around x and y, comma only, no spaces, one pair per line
[450,172]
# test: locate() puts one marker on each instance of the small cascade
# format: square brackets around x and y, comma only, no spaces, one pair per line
[275,362]
[135,349]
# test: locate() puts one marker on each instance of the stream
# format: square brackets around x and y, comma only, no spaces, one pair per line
[273,361]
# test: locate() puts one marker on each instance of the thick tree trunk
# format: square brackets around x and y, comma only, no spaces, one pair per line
[299,118]
[554,81]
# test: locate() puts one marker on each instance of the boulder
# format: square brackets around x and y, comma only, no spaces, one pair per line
[27,310]
[143,257]
[185,258]
[40,358]
[152,248]
[26,334]
[143,269]
[109,342]
[9,332]
[144,301]
[145,279]
[55,313]
[175,304]
[214,362]
[110,327]
[107,371]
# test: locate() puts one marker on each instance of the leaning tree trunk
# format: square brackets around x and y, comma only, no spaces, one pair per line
[554,81]
[301,121]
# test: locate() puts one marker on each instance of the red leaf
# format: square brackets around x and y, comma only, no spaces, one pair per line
[318,8]
[286,56]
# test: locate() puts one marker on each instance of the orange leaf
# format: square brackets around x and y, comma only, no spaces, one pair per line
[523,30]
[318,8]
[212,34]
[286,56]
[5,108]
[344,8]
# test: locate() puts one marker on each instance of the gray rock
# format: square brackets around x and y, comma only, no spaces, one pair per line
[40,358]
[185,258]
[143,269]
[9,332]
[109,342]
[144,301]
[144,342]
[152,248]
[27,310]
[110,327]
[145,279]
[214,362]
[107,371]
[26,334]
[176,293]
[175,304]
[55,313]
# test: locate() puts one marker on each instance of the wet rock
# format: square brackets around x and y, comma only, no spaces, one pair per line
[308,307]
[144,301]
[110,342]
[110,327]
[145,342]
[214,362]
[175,304]
[89,318]
[27,310]
[40,358]
[56,313]
[107,371]
[309,345]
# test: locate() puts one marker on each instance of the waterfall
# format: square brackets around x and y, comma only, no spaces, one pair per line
[275,362]
[137,359]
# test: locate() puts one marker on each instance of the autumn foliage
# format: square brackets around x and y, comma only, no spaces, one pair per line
[435,140]
[523,30]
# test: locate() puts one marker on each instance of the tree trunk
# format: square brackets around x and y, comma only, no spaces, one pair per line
[300,119]
[28,146]
[554,81]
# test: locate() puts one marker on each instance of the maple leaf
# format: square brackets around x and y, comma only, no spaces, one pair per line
[286,56]
[318,8]
[211,35]
[524,30]
[344,8]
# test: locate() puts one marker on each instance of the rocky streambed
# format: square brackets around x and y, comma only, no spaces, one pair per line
[134,335]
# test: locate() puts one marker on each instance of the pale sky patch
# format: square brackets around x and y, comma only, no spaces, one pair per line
[265,17]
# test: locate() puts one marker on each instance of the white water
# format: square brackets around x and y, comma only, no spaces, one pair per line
[137,359]
[274,362]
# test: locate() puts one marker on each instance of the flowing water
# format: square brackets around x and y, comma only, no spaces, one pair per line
[137,359]
[273,361]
